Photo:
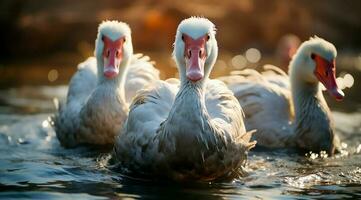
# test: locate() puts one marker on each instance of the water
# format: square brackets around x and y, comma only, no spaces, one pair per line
[34,165]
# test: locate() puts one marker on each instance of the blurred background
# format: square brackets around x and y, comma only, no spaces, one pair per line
[43,41]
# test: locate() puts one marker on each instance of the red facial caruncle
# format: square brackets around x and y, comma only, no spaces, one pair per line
[326,73]
[112,55]
[195,55]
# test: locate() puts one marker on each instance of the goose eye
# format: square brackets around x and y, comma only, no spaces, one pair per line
[183,38]
[103,38]
[208,37]
[124,40]
[313,56]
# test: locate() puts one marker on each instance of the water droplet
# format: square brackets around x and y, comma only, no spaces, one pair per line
[323,154]
[358,149]
[313,156]
[45,124]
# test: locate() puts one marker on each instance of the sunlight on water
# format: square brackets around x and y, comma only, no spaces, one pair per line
[304,181]
[313,156]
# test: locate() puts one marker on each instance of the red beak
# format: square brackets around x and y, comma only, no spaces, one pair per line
[326,73]
[195,55]
[113,55]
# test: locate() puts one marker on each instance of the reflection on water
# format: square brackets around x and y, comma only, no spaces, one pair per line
[34,165]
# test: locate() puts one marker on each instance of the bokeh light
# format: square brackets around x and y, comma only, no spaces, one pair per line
[253,55]
[348,80]
[53,75]
[221,64]
[344,82]
[239,62]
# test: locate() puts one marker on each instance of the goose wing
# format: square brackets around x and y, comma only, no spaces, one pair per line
[266,100]
[66,120]
[225,112]
[149,108]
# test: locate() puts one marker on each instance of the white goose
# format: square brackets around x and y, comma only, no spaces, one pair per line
[191,132]
[96,105]
[291,111]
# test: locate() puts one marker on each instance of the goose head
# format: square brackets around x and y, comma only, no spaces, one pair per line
[314,62]
[113,49]
[195,49]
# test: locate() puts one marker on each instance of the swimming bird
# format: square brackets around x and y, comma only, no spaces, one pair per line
[99,92]
[290,111]
[190,129]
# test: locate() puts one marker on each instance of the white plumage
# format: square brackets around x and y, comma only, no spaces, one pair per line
[97,106]
[289,111]
[185,130]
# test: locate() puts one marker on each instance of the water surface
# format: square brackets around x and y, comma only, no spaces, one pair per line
[34,165]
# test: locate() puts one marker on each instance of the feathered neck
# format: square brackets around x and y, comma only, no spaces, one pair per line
[188,122]
[313,124]
[306,93]
[305,97]
[191,100]
[106,101]
[115,85]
